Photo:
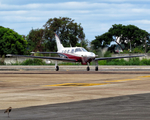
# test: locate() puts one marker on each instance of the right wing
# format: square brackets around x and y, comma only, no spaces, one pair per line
[109,58]
[52,58]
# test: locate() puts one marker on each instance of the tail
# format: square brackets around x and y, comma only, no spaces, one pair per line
[59,45]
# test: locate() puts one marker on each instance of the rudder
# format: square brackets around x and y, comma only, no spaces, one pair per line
[59,45]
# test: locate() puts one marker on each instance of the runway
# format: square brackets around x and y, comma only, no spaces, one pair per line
[130,107]
[73,94]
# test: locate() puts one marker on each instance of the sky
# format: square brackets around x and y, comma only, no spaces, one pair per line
[96,16]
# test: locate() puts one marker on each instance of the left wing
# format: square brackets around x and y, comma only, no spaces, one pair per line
[109,58]
[52,58]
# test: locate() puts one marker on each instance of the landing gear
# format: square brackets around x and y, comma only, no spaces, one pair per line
[96,68]
[88,68]
[96,65]
[56,66]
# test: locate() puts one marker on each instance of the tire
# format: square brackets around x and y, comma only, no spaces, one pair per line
[88,68]
[96,68]
[57,68]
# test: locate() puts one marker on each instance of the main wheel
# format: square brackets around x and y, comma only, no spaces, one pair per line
[88,68]
[57,68]
[96,68]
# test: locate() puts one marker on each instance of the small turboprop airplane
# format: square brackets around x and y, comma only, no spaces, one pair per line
[73,54]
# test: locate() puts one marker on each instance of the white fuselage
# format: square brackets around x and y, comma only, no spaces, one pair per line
[78,53]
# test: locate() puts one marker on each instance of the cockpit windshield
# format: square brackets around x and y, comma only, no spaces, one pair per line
[78,50]
[84,50]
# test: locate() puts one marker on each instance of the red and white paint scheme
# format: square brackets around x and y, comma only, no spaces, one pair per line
[73,54]
[78,54]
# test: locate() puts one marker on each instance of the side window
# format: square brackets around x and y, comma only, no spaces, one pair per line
[68,51]
[72,51]
[65,51]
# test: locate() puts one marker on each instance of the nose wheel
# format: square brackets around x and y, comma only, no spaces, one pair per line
[96,65]
[88,68]
[57,68]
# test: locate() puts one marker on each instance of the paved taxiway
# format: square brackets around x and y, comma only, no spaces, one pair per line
[35,95]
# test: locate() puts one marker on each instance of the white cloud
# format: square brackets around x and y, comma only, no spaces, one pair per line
[95,17]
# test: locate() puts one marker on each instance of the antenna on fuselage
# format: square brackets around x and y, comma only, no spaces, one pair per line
[58,42]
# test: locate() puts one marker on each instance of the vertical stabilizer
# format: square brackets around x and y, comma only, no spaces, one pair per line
[59,45]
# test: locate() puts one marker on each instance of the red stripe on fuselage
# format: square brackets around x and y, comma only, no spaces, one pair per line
[78,59]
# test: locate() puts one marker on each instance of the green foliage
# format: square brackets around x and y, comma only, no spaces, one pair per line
[137,50]
[102,62]
[145,61]
[2,60]
[11,42]
[31,62]
[107,54]
[131,61]
[129,34]
[35,40]
[69,32]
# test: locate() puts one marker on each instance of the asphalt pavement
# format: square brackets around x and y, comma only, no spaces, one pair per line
[130,107]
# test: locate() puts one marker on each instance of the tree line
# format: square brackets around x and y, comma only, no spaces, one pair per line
[71,34]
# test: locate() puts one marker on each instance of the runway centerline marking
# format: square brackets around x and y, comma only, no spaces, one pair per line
[138,78]
[77,84]
[96,84]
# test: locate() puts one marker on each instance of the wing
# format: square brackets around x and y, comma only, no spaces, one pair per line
[109,58]
[60,54]
[40,57]
[46,52]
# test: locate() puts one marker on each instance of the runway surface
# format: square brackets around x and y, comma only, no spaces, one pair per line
[133,107]
[75,95]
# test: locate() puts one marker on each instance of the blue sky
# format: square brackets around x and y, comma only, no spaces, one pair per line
[95,16]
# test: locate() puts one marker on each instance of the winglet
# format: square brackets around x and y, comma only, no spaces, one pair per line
[59,45]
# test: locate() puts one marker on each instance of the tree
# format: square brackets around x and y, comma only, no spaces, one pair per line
[36,40]
[11,42]
[130,36]
[69,32]
[102,41]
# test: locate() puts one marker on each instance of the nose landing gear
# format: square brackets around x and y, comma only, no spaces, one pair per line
[96,65]
[56,66]
[88,68]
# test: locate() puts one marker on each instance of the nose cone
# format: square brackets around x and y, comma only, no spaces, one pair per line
[90,54]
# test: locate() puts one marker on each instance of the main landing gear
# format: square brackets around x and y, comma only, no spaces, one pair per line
[96,66]
[56,66]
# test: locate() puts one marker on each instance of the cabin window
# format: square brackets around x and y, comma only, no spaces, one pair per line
[65,51]
[72,51]
[68,51]
[78,50]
